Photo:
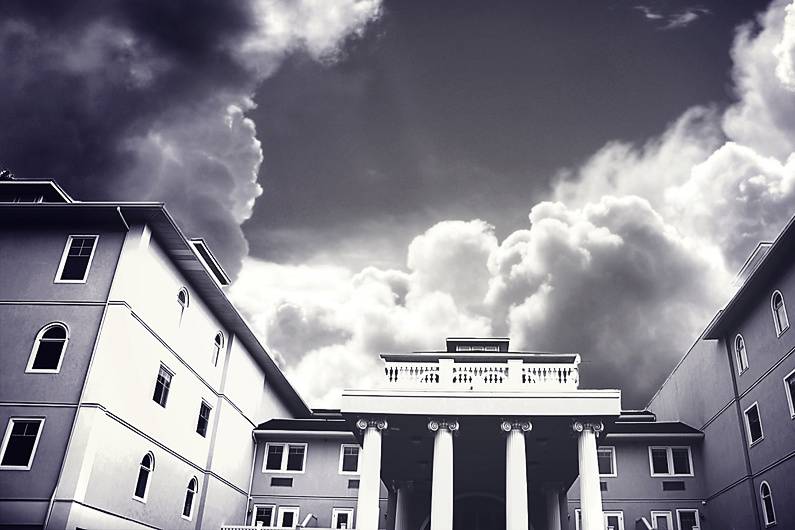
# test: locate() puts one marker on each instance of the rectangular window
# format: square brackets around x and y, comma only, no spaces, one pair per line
[76,259]
[662,521]
[688,519]
[612,520]
[204,418]
[285,457]
[19,443]
[288,517]
[789,390]
[342,518]
[349,459]
[262,515]
[607,461]
[670,461]
[162,386]
[753,424]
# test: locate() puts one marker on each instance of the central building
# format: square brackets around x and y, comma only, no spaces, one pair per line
[477,436]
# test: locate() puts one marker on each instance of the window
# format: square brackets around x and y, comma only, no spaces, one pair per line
[262,515]
[753,424]
[670,461]
[662,521]
[285,457]
[288,517]
[349,459]
[779,313]
[48,349]
[767,504]
[688,519]
[612,520]
[204,418]
[789,390]
[190,494]
[162,386]
[342,518]
[76,259]
[218,346]
[144,472]
[183,299]
[607,461]
[742,355]
[19,443]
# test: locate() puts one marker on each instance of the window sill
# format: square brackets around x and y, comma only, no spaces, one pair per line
[139,499]
[15,468]
[349,473]
[691,475]
[756,442]
[778,335]
[70,281]
[282,472]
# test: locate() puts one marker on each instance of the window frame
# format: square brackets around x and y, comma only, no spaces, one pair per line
[7,439]
[31,360]
[669,516]
[358,459]
[605,514]
[776,322]
[254,514]
[669,455]
[768,522]
[193,499]
[168,388]
[612,450]
[148,478]
[218,347]
[209,414]
[679,519]
[285,456]
[788,393]
[751,442]
[740,368]
[335,513]
[65,255]
[288,509]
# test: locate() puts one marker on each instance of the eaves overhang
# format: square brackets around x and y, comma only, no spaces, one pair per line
[180,251]
[780,255]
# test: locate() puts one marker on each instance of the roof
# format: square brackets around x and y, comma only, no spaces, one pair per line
[338,424]
[182,253]
[779,255]
[655,429]
[49,190]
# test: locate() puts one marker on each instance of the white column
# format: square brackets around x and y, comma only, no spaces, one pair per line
[369,474]
[590,493]
[442,479]
[516,514]
[402,507]
[552,499]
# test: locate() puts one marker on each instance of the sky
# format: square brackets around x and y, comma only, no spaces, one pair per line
[377,175]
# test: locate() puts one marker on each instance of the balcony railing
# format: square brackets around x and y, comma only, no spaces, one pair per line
[512,375]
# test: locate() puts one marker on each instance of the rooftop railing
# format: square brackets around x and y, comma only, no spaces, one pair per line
[484,374]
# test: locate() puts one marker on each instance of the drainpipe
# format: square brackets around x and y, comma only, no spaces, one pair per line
[251,477]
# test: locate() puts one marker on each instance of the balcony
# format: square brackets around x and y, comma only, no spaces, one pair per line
[488,372]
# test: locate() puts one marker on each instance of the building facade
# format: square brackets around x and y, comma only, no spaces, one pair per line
[133,395]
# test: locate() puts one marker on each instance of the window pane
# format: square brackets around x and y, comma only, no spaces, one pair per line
[77,258]
[687,520]
[612,522]
[791,386]
[350,459]
[140,485]
[186,510]
[661,522]
[754,425]
[19,449]
[681,461]
[263,515]
[48,354]
[162,385]
[342,520]
[288,519]
[770,516]
[659,460]
[295,458]
[605,457]
[274,460]
[204,419]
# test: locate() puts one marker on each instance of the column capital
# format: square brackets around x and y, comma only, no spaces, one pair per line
[516,424]
[451,424]
[591,425]
[376,423]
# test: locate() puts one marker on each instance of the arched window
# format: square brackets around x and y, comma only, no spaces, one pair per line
[741,353]
[48,349]
[767,503]
[144,472]
[183,299]
[218,345]
[193,488]
[779,312]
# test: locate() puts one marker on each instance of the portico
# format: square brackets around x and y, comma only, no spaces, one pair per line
[481,438]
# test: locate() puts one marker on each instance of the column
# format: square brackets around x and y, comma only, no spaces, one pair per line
[516,515]
[442,478]
[370,473]
[402,509]
[590,494]
[552,501]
